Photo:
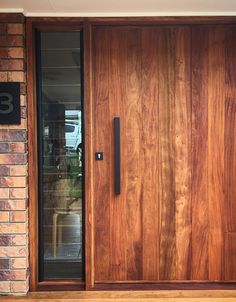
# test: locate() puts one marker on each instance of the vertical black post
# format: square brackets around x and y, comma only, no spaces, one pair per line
[117,155]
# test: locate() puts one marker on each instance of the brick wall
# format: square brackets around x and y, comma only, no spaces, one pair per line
[13,164]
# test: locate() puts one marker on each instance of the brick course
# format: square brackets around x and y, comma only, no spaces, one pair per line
[13,164]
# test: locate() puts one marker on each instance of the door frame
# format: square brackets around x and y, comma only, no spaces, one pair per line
[35,284]
[86,25]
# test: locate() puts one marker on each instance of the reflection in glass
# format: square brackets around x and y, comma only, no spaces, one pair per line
[60,129]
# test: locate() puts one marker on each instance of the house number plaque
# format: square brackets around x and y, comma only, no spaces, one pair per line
[10,103]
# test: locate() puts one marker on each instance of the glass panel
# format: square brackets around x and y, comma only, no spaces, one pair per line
[60,77]
[59,40]
[52,58]
[60,152]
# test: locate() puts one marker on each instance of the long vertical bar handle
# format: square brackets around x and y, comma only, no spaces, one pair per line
[117,155]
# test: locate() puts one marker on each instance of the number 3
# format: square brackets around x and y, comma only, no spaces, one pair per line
[6,100]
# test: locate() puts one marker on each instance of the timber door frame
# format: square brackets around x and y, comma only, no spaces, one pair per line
[35,284]
[86,24]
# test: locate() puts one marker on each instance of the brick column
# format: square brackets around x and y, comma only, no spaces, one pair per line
[13,164]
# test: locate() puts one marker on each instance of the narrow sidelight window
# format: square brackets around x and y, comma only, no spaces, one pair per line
[60,149]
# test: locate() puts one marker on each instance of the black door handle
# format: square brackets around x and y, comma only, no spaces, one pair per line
[117,155]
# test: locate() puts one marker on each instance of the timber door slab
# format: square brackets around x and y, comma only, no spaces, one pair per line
[173,89]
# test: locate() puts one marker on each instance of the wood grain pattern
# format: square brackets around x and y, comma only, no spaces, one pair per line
[230,163]
[169,86]
[216,197]
[150,154]
[230,52]
[167,204]
[230,256]
[127,296]
[129,21]
[102,142]
[134,165]
[88,157]
[118,263]
[165,285]
[230,155]
[33,157]
[182,148]
[199,149]
[230,128]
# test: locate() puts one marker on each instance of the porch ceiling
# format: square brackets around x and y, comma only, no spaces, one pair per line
[120,7]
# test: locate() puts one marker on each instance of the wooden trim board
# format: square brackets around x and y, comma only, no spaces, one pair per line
[129,296]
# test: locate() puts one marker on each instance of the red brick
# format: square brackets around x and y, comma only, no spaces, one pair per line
[12,53]
[18,216]
[18,193]
[13,159]
[16,76]
[22,88]
[12,275]
[3,76]
[18,240]
[12,17]
[23,100]
[11,41]
[12,64]
[18,170]
[13,251]
[15,29]
[17,147]
[17,52]
[5,287]
[23,125]
[3,28]
[12,182]
[4,217]
[4,171]
[4,193]
[19,286]
[19,263]
[13,164]
[5,240]
[12,228]
[4,53]
[4,263]
[12,135]
[8,205]
[4,147]
[23,112]
[13,178]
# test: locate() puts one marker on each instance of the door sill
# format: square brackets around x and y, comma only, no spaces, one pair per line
[176,285]
[61,285]
[126,296]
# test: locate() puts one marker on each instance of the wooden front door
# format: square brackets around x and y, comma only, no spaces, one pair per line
[173,90]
